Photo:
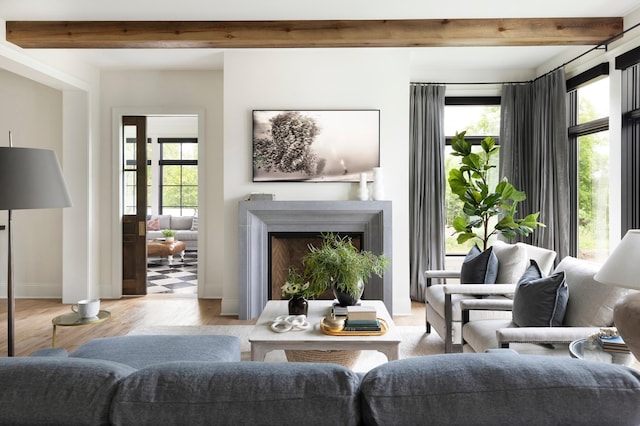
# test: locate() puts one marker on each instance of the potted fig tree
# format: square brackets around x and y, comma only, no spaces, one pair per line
[483,205]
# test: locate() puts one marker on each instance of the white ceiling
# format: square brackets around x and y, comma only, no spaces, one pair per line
[520,58]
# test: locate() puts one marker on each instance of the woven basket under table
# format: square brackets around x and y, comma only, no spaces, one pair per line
[346,358]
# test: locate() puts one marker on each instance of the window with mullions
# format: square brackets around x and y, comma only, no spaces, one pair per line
[178,176]
[479,117]
[129,183]
[629,63]
[589,135]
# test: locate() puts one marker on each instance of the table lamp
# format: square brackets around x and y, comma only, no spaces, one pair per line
[622,269]
[29,179]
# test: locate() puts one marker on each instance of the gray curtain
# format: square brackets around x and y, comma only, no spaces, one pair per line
[535,155]
[427,184]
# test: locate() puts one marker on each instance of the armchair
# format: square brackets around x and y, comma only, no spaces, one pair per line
[589,307]
[442,301]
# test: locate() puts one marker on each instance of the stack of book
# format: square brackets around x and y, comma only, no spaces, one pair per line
[339,311]
[362,318]
[613,344]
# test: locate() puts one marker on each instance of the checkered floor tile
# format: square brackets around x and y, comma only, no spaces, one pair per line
[177,278]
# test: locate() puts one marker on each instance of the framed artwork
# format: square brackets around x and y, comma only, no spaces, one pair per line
[315,146]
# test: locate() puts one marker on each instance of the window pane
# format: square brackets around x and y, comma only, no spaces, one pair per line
[593,196]
[477,120]
[189,151]
[593,101]
[170,196]
[171,175]
[189,175]
[190,196]
[171,151]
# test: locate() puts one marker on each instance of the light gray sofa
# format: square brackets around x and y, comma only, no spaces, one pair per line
[488,388]
[183,225]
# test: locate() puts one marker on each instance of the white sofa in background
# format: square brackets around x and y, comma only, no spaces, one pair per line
[185,226]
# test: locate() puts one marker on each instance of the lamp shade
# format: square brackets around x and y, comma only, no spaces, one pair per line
[31,178]
[622,268]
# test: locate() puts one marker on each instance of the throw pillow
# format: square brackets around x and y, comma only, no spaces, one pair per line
[194,223]
[479,267]
[153,224]
[512,261]
[540,301]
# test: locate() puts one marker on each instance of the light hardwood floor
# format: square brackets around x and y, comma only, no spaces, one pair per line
[33,328]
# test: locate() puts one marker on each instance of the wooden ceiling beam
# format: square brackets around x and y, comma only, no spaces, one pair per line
[334,33]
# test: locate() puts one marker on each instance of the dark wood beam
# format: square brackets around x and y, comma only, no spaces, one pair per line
[286,34]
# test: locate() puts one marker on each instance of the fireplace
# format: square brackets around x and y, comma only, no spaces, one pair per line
[259,220]
[286,249]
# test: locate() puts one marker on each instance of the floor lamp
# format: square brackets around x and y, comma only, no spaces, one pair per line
[29,179]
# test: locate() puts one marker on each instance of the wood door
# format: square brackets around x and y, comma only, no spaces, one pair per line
[134,204]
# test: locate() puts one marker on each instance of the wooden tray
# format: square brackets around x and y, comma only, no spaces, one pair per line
[383,326]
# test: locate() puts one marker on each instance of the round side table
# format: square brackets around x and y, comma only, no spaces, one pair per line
[73,319]
[584,349]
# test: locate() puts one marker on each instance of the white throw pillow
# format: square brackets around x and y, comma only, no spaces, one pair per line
[512,262]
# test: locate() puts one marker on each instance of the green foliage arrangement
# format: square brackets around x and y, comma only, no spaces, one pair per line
[480,202]
[337,262]
[168,232]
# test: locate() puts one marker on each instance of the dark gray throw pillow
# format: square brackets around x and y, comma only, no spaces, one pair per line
[540,301]
[479,267]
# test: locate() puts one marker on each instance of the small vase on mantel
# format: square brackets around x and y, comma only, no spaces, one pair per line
[378,184]
[363,191]
[298,305]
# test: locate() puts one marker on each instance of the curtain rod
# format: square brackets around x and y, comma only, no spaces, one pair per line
[604,44]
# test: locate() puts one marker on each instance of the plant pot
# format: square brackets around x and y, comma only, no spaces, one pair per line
[346,299]
[170,239]
[298,305]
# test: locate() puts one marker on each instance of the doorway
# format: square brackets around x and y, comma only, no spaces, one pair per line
[173,200]
[161,200]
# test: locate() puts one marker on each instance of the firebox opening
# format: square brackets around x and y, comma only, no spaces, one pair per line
[288,248]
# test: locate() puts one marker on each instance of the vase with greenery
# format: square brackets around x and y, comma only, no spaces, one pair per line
[297,290]
[339,265]
[483,205]
[169,234]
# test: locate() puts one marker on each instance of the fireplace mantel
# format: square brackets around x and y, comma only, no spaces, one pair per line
[256,219]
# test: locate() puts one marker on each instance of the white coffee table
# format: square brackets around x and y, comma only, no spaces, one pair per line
[263,339]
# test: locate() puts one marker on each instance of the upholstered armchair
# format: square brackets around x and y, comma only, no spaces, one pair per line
[589,307]
[442,300]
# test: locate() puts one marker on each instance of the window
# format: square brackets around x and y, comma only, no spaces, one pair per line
[589,135]
[479,117]
[629,63]
[130,164]
[178,176]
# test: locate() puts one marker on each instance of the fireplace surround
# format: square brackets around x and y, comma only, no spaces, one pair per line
[257,219]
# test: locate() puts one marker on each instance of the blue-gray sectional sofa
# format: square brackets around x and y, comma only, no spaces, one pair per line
[199,380]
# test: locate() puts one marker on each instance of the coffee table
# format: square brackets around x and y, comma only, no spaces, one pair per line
[263,339]
[165,248]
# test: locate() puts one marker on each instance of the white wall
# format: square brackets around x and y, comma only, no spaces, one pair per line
[147,92]
[33,113]
[317,79]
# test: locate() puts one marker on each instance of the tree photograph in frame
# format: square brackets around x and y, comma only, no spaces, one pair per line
[315,146]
